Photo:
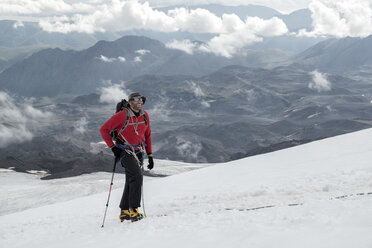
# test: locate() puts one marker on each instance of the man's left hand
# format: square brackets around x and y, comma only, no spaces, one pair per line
[151,163]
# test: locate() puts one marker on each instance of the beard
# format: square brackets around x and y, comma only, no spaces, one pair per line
[136,106]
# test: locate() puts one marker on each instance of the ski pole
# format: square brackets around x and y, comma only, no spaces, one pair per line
[108,199]
[143,197]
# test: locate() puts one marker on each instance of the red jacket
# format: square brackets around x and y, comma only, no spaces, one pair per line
[136,132]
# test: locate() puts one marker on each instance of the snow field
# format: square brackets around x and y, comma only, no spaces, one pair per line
[189,209]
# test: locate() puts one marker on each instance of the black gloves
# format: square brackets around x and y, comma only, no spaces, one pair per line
[116,151]
[151,163]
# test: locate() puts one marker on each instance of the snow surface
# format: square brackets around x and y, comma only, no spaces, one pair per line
[20,191]
[314,195]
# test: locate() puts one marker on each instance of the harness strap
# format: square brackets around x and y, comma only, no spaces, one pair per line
[127,146]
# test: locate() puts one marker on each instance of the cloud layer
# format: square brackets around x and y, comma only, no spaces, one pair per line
[16,118]
[337,18]
[231,33]
[340,18]
[234,34]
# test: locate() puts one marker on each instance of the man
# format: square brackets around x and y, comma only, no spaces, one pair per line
[134,136]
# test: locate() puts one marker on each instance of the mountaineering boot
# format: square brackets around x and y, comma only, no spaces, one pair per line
[124,215]
[135,215]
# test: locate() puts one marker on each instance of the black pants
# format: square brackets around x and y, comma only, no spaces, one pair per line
[133,181]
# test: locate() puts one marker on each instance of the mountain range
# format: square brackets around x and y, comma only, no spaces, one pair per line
[54,71]
[341,56]
[231,113]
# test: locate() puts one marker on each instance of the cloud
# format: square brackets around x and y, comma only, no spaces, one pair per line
[112,93]
[44,7]
[60,7]
[160,110]
[122,15]
[320,82]
[198,92]
[121,59]
[190,149]
[230,32]
[18,24]
[184,45]
[98,147]
[340,18]
[16,118]
[118,15]
[285,6]
[143,51]
[137,59]
[80,126]
[196,20]
[111,60]
[235,35]
[253,30]
[106,59]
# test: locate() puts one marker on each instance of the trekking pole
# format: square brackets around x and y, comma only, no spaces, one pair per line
[143,197]
[108,199]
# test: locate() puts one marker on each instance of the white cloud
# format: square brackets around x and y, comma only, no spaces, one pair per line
[111,60]
[80,126]
[184,45]
[43,7]
[98,147]
[121,59]
[285,6]
[16,117]
[206,104]
[18,24]
[112,93]
[196,21]
[106,59]
[235,35]
[320,82]
[231,33]
[198,92]
[60,7]
[127,15]
[117,15]
[143,51]
[137,59]
[340,18]
[188,148]
[160,110]
[253,30]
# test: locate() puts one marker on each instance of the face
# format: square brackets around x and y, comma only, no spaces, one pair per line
[136,104]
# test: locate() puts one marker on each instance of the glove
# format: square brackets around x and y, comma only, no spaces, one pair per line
[151,163]
[117,152]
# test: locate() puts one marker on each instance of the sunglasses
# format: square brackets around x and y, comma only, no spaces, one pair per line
[138,99]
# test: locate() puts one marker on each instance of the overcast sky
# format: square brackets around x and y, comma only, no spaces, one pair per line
[333,18]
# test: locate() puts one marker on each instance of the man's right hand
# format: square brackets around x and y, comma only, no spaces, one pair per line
[117,151]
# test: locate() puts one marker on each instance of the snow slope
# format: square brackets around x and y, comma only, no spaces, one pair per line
[315,195]
[20,191]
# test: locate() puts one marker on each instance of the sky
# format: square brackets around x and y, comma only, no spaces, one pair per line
[330,18]
[313,195]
